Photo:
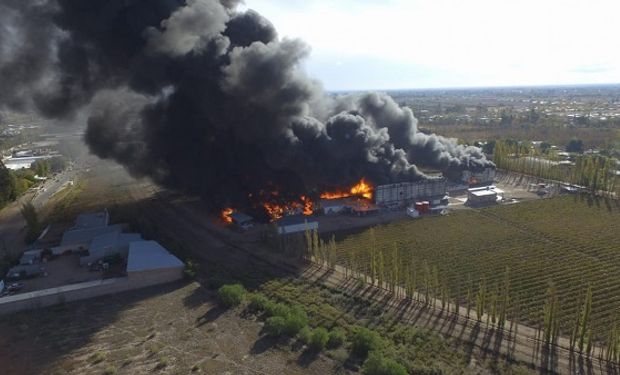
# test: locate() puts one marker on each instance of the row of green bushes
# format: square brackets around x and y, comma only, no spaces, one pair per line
[283,320]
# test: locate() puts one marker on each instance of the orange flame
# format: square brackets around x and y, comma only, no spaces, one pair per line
[308,205]
[362,189]
[277,211]
[225,215]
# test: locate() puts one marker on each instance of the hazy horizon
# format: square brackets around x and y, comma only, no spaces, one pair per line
[400,44]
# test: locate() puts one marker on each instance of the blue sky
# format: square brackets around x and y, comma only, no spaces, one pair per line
[392,44]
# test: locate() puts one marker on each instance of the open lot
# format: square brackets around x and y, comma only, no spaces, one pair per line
[61,271]
[175,329]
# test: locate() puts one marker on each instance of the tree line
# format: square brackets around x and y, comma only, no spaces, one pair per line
[493,305]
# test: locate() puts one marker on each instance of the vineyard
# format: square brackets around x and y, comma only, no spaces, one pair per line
[506,260]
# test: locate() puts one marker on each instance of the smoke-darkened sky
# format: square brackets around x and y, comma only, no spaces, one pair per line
[206,97]
[386,44]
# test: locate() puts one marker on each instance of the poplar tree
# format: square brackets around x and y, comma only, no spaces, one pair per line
[480,299]
[584,321]
[550,315]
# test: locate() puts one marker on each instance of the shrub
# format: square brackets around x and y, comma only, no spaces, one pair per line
[277,309]
[231,295]
[336,338]
[295,320]
[319,338]
[290,320]
[275,326]
[364,341]
[258,302]
[191,269]
[377,364]
[305,335]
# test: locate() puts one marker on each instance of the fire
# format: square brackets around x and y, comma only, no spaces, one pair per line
[362,189]
[274,210]
[308,205]
[277,210]
[225,215]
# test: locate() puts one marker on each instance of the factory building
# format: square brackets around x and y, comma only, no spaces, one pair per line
[480,178]
[405,193]
[484,195]
[296,223]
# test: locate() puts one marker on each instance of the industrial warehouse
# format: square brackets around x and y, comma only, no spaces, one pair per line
[415,199]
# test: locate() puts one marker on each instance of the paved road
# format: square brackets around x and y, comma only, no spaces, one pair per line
[12,224]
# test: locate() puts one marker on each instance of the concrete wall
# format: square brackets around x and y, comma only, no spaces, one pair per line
[298,227]
[90,289]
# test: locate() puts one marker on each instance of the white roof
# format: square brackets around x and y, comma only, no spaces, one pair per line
[150,255]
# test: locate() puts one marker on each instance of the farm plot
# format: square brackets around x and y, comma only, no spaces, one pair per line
[567,242]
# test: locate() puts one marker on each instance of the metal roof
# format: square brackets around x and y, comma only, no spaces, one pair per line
[240,217]
[113,239]
[150,255]
[85,236]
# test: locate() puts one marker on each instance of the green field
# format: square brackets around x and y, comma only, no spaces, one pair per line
[568,241]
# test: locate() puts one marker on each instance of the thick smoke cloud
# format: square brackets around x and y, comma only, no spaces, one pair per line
[207,99]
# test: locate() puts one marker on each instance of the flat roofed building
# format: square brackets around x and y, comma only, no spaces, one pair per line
[76,239]
[149,263]
[111,243]
[484,195]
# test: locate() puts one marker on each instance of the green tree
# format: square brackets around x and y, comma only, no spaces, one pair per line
[318,339]
[33,225]
[377,364]
[575,145]
[364,341]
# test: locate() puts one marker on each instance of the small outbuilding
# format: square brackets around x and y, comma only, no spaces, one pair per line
[484,195]
[296,223]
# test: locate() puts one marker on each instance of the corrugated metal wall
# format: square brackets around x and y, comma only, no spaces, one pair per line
[405,192]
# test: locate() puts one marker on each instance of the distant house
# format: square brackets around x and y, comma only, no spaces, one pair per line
[149,263]
[111,243]
[296,223]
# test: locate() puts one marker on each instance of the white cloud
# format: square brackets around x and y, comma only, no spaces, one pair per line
[475,42]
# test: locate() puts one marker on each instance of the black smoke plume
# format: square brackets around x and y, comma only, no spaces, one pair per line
[205,98]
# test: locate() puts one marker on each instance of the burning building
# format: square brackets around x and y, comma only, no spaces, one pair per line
[204,97]
[405,193]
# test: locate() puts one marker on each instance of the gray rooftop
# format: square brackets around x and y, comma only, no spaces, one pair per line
[150,255]
[240,217]
[85,236]
[112,239]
